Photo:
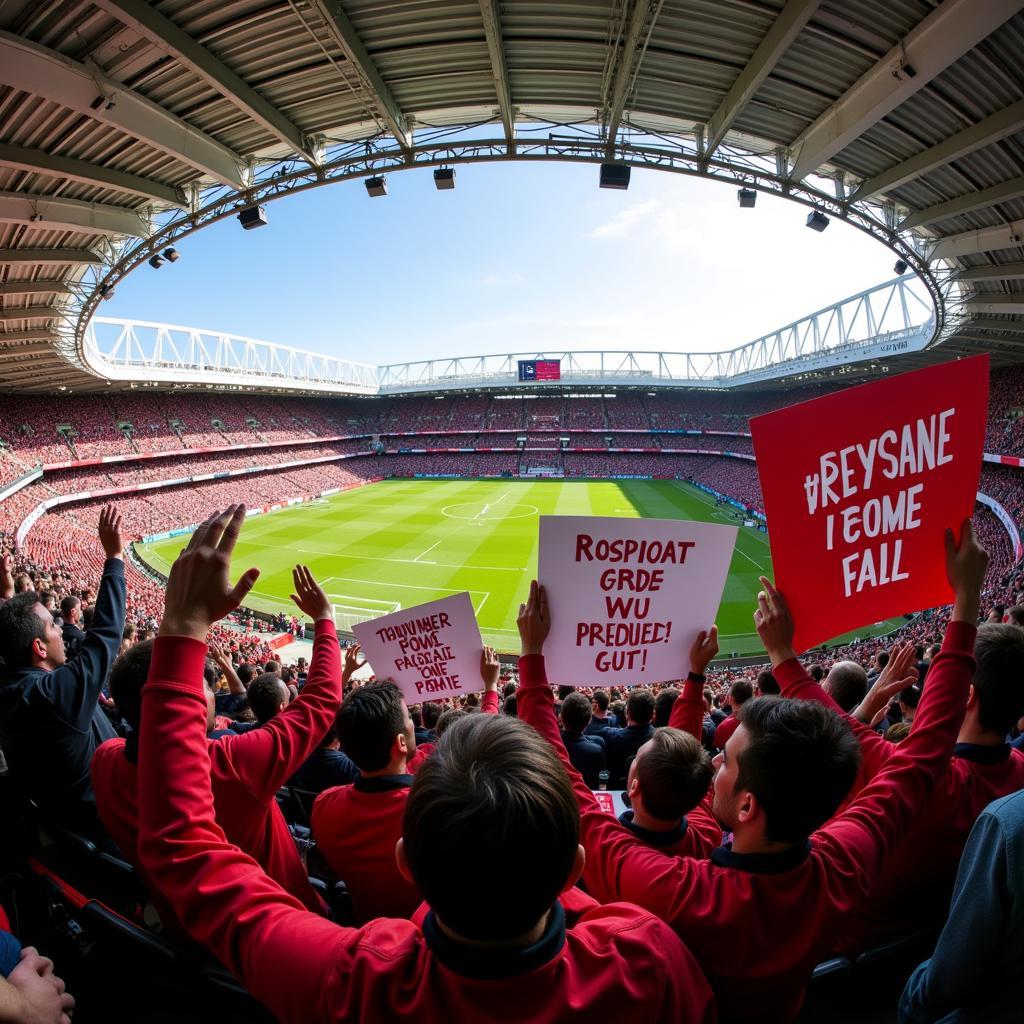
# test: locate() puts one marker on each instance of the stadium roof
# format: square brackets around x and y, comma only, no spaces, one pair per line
[125,125]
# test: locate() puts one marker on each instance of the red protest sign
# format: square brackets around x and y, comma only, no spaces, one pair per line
[858,487]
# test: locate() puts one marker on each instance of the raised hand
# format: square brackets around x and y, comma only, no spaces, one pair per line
[352,662]
[6,575]
[110,532]
[704,648]
[774,623]
[898,674]
[199,592]
[490,668]
[965,569]
[309,595]
[534,620]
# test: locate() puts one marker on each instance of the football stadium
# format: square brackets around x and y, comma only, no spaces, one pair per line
[722,672]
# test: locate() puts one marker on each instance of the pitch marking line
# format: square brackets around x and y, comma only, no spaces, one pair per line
[404,586]
[427,552]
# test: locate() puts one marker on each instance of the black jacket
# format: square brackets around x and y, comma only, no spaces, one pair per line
[587,756]
[51,722]
[621,746]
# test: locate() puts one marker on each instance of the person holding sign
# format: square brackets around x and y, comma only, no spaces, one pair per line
[357,826]
[911,891]
[492,792]
[763,911]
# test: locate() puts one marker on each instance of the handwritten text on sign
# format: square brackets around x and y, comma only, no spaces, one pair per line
[431,651]
[628,596]
[858,488]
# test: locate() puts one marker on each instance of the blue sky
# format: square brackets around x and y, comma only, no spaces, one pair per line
[519,257]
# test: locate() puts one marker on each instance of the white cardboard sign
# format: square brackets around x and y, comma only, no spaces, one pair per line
[628,596]
[431,651]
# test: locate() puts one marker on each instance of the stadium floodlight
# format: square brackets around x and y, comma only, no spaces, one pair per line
[252,217]
[900,266]
[817,221]
[747,198]
[156,261]
[615,176]
[376,186]
[172,254]
[107,292]
[444,178]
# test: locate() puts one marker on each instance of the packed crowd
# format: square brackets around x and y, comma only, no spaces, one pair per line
[225,778]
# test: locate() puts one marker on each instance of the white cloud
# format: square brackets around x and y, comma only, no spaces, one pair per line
[626,220]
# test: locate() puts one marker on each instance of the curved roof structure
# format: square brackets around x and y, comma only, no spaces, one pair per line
[125,125]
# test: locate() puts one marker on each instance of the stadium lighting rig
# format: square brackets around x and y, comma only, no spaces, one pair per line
[817,221]
[615,176]
[158,259]
[377,186]
[900,266]
[444,178]
[747,198]
[252,217]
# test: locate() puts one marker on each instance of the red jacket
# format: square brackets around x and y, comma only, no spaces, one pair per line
[725,729]
[247,770]
[759,923]
[618,962]
[915,884]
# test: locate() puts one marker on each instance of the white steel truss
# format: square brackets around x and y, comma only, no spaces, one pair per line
[894,317]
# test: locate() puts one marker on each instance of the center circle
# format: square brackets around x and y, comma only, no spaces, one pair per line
[471,510]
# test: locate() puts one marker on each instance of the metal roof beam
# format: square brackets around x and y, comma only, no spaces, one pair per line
[30,313]
[1006,272]
[30,257]
[995,304]
[1006,122]
[179,44]
[931,46]
[987,324]
[642,14]
[1000,193]
[499,70]
[43,72]
[344,33]
[34,288]
[1002,236]
[37,162]
[31,349]
[786,27]
[49,213]
[14,336]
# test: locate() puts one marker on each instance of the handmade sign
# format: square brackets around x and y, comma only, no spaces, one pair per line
[431,651]
[628,596]
[858,488]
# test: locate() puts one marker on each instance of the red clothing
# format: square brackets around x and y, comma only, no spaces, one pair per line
[725,729]
[914,886]
[618,962]
[247,769]
[759,923]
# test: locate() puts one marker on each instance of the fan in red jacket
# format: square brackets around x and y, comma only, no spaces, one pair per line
[491,793]
[761,912]
[246,769]
[914,887]
[357,826]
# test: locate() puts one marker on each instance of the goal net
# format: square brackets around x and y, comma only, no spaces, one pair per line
[349,613]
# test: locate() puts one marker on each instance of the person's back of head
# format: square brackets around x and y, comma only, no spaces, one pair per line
[508,689]
[1015,615]
[663,705]
[576,712]
[448,719]
[370,721]
[766,685]
[847,683]
[998,696]
[511,706]
[881,659]
[564,691]
[909,698]
[673,772]
[492,789]
[416,714]
[21,625]
[430,712]
[816,672]
[798,758]
[246,673]
[69,608]
[640,707]
[740,692]
[272,667]
[266,696]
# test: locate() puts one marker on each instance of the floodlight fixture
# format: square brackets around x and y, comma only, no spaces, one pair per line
[747,198]
[615,176]
[252,217]
[156,261]
[376,186]
[172,254]
[817,221]
[107,292]
[900,266]
[444,178]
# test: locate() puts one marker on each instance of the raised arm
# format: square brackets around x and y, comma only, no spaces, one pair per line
[74,688]
[6,576]
[223,661]
[688,710]
[490,671]
[858,840]
[221,896]
[266,758]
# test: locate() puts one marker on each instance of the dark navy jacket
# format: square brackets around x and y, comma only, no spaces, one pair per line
[621,745]
[51,722]
[587,756]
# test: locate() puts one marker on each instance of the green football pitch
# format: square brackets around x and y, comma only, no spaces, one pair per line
[400,543]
